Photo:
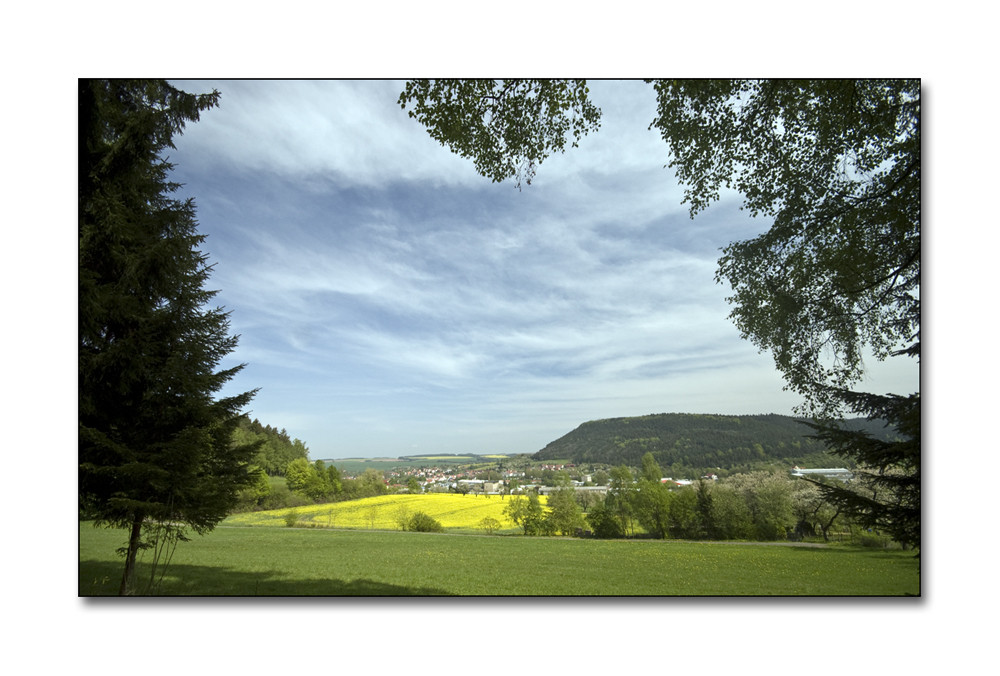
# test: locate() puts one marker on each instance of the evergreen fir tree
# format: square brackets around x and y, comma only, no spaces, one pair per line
[155,447]
[885,493]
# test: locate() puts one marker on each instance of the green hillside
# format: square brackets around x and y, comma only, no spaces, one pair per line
[685,443]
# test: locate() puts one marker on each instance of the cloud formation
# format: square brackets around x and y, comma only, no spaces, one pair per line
[389,299]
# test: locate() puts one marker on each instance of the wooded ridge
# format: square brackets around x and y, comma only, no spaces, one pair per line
[683,443]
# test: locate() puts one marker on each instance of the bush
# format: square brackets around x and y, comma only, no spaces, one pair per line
[291,517]
[874,540]
[280,497]
[422,523]
[489,524]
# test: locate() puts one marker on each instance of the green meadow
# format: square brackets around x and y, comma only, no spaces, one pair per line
[266,561]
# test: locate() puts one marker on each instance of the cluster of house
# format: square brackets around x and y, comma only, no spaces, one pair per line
[448,478]
[495,487]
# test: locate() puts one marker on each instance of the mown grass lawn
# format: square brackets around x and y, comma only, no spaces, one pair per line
[313,562]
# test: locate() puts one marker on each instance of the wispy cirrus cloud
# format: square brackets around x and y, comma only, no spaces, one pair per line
[387,296]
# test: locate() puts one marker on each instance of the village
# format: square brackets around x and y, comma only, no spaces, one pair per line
[543,479]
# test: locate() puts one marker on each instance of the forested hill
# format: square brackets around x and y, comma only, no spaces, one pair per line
[683,443]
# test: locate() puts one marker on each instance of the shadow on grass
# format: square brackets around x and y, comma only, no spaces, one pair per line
[101,578]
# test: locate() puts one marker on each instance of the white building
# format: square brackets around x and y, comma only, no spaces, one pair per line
[837,473]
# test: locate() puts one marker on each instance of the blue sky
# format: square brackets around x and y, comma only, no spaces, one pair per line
[390,301]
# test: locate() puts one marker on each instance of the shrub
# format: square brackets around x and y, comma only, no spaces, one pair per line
[291,517]
[873,540]
[280,496]
[423,523]
[489,524]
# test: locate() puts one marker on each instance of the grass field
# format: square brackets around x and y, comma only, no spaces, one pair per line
[457,513]
[233,561]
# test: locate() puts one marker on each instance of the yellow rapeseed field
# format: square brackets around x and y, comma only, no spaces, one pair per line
[385,512]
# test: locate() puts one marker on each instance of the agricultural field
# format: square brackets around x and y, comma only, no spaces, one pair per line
[457,513]
[267,561]
[359,465]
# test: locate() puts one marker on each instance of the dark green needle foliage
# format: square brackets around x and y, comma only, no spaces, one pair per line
[885,493]
[155,445]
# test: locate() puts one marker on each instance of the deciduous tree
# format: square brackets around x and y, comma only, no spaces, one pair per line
[651,469]
[620,498]
[604,522]
[652,499]
[506,127]
[298,473]
[684,520]
[730,516]
[836,165]
[256,493]
[525,512]
[652,504]
[564,514]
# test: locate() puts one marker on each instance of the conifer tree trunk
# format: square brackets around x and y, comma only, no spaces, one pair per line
[128,577]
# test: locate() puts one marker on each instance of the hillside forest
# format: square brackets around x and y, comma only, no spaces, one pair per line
[694,444]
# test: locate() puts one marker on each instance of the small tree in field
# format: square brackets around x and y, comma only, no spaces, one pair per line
[402,517]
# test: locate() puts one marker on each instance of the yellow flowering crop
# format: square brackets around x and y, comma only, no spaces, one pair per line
[386,512]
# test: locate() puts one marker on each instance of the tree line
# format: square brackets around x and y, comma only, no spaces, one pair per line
[303,482]
[753,506]
[275,449]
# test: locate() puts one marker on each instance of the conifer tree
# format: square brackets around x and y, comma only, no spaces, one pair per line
[155,448]
[885,493]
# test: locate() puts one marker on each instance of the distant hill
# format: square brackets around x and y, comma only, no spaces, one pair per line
[685,443]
